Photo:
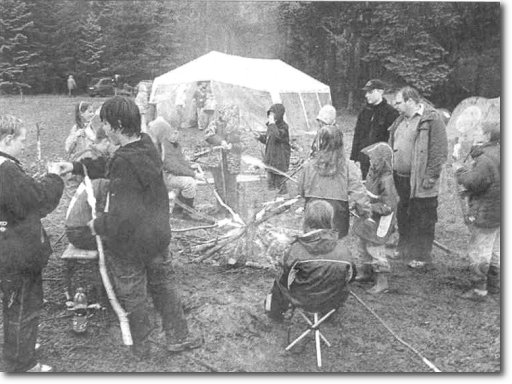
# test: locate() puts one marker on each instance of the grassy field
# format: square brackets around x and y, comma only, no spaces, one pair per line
[226,304]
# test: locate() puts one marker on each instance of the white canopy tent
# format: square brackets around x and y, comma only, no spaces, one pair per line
[253,84]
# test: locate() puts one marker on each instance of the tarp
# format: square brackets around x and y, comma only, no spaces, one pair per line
[253,84]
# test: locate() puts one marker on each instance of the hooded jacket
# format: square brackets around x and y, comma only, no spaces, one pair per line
[430,151]
[277,140]
[136,221]
[24,245]
[317,286]
[321,182]
[382,193]
[483,184]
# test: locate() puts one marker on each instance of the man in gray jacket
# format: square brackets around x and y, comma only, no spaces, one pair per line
[420,145]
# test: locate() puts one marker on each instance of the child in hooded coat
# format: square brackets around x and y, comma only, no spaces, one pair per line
[375,231]
[277,147]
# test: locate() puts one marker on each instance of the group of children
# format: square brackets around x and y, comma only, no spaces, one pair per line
[132,176]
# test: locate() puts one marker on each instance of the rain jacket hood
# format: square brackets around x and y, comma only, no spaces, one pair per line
[319,241]
[278,110]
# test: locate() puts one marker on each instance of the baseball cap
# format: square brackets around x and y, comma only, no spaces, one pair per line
[374,84]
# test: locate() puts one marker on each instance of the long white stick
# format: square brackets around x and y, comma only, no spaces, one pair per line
[423,358]
[120,312]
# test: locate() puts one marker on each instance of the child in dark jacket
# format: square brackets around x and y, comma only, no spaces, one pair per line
[319,242]
[277,147]
[24,247]
[135,227]
[374,232]
[482,181]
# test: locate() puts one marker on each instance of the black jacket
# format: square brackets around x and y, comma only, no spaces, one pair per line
[24,245]
[137,221]
[371,127]
[277,141]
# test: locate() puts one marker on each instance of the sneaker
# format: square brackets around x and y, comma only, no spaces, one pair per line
[190,342]
[40,368]
[475,295]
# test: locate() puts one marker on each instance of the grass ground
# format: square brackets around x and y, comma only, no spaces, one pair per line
[423,308]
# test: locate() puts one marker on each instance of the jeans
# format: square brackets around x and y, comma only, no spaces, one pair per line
[416,219]
[133,276]
[483,252]
[22,299]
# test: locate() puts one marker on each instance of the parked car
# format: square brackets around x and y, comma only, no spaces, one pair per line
[103,87]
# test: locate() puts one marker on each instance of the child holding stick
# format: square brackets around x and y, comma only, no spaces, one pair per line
[136,228]
[25,247]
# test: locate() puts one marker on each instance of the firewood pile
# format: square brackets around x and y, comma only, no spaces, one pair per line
[257,243]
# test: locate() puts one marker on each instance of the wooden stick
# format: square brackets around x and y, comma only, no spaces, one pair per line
[443,247]
[120,312]
[193,228]
[423,358]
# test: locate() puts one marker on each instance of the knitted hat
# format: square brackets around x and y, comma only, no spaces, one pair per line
[327,115]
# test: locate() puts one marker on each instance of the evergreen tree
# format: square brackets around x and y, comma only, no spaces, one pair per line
[91,48]
[16,56]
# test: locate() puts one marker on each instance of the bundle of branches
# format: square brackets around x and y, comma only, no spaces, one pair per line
[256,243]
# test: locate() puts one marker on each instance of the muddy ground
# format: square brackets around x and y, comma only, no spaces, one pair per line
[225,304]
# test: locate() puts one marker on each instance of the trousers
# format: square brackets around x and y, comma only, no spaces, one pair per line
[22,301]
[133,278]
[416,219]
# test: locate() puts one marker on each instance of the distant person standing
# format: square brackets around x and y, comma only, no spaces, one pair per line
[224,161]
[372,123]
[71,86]
[420,147]
[142,101]
[180,103]
[277,147]
[205,104]
[116,82]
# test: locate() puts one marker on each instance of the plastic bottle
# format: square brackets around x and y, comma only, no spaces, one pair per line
[80,309]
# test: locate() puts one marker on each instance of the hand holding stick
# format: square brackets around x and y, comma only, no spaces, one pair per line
[121,314]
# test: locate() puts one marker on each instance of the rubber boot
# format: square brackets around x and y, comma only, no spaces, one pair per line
[364,273]
[381,284]
[190,215]
[493,280]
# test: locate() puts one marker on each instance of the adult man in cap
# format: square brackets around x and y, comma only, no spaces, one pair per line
[372,123]
[420,146]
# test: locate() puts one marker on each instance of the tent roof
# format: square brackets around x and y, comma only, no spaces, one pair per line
[262,74]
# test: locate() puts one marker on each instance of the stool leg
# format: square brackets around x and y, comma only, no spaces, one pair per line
[318,346]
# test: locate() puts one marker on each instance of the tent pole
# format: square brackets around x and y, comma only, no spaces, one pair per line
[304,110]
[318,99]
